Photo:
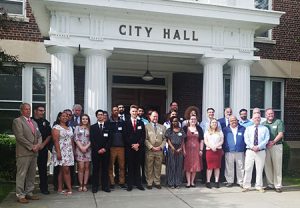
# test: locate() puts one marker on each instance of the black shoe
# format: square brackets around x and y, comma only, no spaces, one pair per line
[193,186]
[106,190]
[129,188]
[140,188]
[94,190]
[149,187]
[229,185]
[122,186]
[45,192]
[112,186]
[208,185]
[269,188]
[217,185]
[187,186]
[278,190]
[158,186]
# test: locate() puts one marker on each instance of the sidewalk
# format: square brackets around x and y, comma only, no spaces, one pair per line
[165,198]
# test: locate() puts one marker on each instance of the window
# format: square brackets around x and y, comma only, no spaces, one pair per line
[39,86]
[14,7]
[264,5]
[10,97]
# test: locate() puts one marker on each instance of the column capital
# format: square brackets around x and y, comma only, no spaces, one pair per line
[101,52]
[238,62]
[62,49]
[211,60]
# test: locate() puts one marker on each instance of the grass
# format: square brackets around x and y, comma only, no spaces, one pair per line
[5,188]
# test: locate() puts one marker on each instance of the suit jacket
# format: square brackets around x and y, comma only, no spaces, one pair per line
[25,139]
[222,122]
[155,139]
[100,138]
[229,145]
[73,123]
[134,137]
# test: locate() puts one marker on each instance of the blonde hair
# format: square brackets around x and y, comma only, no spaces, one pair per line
[214,131]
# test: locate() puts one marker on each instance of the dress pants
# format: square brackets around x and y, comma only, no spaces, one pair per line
[42,166]
[134,168]
[117,154]
[153,164]
[273,166]
[97,161]
[259,159]
[26,169]
[239,159]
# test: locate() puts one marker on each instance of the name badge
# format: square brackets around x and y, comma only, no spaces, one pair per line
[139,127]
[274,127]
[105,134]
[179,134]
[240,133]
[120,128]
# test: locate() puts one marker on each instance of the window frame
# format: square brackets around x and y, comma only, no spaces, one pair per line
[23,15]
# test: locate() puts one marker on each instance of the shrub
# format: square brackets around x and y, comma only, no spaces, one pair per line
[285,158]
[7,157]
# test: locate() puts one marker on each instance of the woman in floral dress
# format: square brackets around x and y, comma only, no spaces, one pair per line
[63,155]
[83,151]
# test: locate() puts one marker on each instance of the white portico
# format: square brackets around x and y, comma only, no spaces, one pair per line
[213,33]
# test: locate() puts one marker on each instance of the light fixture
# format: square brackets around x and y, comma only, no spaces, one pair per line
[147,76]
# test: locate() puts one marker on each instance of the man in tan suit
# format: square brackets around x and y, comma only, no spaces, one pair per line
[155,142]
[28,140]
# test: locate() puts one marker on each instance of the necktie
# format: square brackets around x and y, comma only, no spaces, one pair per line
[76,120]
[134,124]
[155,127]
[256,136]
[31,125]
[100,126]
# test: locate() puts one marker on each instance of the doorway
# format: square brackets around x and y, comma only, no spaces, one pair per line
[147,98]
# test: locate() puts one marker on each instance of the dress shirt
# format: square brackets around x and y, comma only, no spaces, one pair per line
[234,132]
[245,123]
[263,136]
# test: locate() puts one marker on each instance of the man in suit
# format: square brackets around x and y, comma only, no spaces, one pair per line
[100,143]
[135,137]
[75,120]
[45,129]
[155,142]
[234,147]
[225,120]
[28,140]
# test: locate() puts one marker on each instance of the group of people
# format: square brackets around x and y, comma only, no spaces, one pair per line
[124,149]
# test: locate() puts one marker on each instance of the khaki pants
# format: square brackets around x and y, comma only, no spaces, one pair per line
[273,166]
[153,165]
[26,169]
[239,159]
[117,153]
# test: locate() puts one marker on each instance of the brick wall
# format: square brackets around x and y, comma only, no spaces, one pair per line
[287,34]
[292,109]
[21,30]
[187,90]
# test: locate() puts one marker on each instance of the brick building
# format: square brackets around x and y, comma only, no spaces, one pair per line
[207,53]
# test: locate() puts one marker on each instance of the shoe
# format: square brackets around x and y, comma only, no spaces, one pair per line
[80,189]
[158,186]
[149,187]
[122,186]
[208,185]
[23,200]
[68,193]
[217,184]
[261,190]
[107,190]
[46,192]
[94,190]
[129,188]
[112,186]
[140,188]
[245,190]
[187,186]
[32,197]
[278,190]
[193,186]
[269,188]
[229,185]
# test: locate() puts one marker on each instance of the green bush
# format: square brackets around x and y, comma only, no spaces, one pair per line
[286,158]
[7,157]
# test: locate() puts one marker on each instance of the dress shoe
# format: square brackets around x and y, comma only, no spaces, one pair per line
[23,200]
[149,187]
[269,188]
[229,185]
[158,186]
[32,197]
[140,188]
[122,186]
[278,190]
[94,190]
[129,188]
[112,186]
[217,184]
[208,185]
[107,190]
[193,186]
[187,186]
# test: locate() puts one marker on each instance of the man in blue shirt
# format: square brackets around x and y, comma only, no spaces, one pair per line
[244,121]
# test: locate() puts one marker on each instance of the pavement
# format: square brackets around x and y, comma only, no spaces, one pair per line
[166,197]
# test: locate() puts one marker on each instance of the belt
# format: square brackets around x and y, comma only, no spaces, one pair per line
[258,150]
[278,143]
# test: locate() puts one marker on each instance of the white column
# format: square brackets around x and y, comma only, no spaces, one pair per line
[95,91]
[240,85]
[213,95]
[27,84]
[62,79]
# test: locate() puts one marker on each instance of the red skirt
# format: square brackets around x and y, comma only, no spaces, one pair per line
[213,159]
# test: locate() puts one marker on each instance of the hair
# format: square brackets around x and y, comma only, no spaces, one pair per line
[68,110]
[115,106]
[217,130]
[134,106]
[153,111]
[173,101]
[243,109]
[58,118]
[22,106]
[105,112]
[38,106]
[89,120]
[210,109]
[171,121]
[189,110]
[99,111]
[269,109]
[77,106]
